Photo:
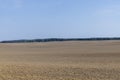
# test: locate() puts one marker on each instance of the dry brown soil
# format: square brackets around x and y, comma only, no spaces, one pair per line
[74,60]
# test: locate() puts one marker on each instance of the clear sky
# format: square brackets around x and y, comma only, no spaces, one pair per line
[29,19]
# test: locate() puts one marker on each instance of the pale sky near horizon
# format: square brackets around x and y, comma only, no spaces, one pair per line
[30,19]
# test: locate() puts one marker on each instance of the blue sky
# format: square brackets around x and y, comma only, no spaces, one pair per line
[29,19]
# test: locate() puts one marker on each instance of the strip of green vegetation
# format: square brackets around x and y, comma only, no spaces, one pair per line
[57,39]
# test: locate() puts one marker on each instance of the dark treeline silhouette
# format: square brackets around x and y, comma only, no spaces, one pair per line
[58,39]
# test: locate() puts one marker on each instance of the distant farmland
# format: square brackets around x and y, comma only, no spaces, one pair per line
[73,60]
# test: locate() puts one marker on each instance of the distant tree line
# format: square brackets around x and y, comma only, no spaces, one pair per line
[58,39]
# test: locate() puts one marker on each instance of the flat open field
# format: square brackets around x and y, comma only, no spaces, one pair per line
[77,60]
